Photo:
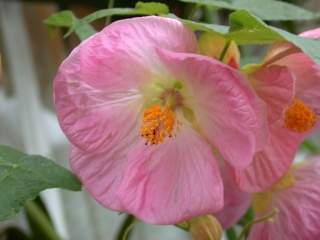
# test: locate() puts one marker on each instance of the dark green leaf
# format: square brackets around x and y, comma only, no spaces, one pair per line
[265,9]
[13,233]
[23,176]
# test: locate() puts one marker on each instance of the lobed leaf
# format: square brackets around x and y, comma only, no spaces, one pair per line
[64,18]
[246,28]
[82,27]
[265,9]
[23,176]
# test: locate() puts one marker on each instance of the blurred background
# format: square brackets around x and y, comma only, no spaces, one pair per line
[30,55]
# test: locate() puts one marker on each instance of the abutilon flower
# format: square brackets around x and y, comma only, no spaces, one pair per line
[296,199]
[143,113]
[288,82]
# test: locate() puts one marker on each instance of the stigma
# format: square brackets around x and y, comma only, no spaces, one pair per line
[299,117]
[157,124]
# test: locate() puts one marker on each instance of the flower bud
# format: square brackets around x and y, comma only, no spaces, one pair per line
[205,228]
[216,46]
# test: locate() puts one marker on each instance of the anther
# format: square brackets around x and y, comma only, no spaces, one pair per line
[157,124]
[299,117]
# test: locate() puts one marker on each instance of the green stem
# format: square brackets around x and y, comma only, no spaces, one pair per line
[128,231]
[224,51]
[231,234]
[126,227]
[247,228]
[110,5]
[41,220]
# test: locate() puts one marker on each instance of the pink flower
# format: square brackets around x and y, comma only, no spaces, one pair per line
[143,112]
[289,84]
[296,197]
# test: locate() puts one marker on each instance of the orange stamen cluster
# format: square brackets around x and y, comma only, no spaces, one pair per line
[299,117]
[157,124]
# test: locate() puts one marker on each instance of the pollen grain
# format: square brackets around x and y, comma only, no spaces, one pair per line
[299,117]
[157,124]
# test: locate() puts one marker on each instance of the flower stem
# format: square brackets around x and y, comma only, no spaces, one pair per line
[41,220]
[126,227]
[110,5]
[224,51]
[247,228]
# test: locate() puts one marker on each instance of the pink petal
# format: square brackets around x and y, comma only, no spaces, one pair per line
[313,33]
[275,85]
[299,212]
[101,172]
[225,108]
[236,202]
[307,75]
[271,163]
[96,91]
[168,183]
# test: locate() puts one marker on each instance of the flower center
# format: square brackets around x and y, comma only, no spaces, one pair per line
[157,124]
[299,117]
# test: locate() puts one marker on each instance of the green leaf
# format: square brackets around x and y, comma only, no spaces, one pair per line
[61,19]
[152,7]
[23,176]
[84,30]
[141,8]
[199,26]
[265,9]
[309,46]
[248,29]
[67,19]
